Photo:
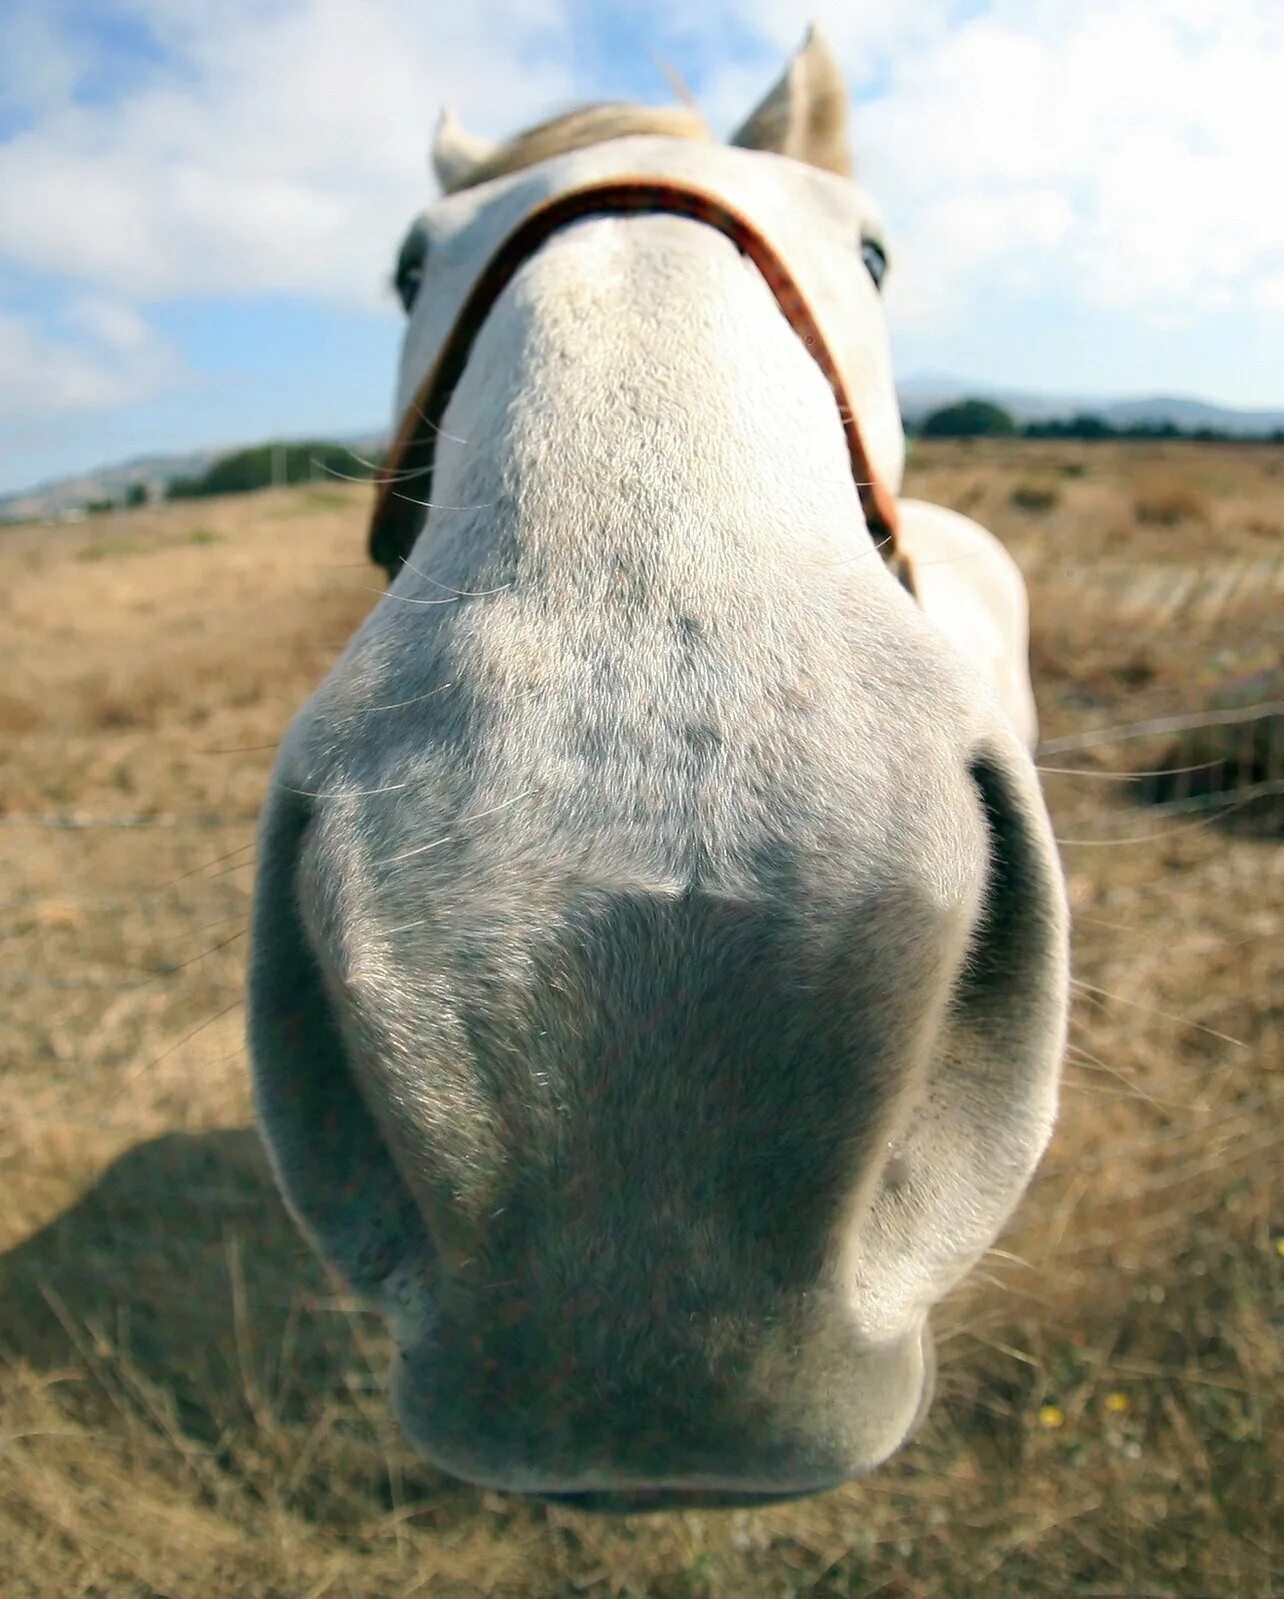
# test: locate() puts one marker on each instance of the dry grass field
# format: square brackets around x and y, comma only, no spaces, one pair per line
[189,1408]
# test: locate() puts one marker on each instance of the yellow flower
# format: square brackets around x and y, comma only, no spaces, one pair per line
[1117,1402]
[1051,1416]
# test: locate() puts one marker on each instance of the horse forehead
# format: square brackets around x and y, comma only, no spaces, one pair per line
[800,209]
[768,187]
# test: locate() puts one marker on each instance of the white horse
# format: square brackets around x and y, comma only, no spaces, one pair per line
[659,975]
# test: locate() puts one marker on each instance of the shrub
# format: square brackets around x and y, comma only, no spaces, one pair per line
[1166,504]
[1035,496]
[969,419]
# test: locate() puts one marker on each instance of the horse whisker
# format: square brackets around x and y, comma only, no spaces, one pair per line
[423,849]
[346,794]
[435,505]
[1153,1010]
[459,593]
[395,705]
[1131,777]
[1161,724]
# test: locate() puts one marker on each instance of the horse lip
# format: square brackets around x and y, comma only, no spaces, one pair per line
[649,1501]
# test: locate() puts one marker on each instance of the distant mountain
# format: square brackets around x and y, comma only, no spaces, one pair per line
[929,391]
[919,395]
[66,496]
[109,482]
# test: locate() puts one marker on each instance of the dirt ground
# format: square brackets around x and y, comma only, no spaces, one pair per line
[189,1408]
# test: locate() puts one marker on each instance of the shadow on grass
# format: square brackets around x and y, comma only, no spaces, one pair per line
[174,1304]
[170,1341]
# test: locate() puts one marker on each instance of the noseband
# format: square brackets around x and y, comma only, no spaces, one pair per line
[397,519]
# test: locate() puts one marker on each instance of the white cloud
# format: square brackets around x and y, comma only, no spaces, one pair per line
[1121,153]
[864,36]
[1116,153]
[47,62]
[111,359]
[282,148]
[270,145]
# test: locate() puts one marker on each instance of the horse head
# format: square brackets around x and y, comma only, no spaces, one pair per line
[659,965]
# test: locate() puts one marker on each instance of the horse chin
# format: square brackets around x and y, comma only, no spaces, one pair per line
[834,1436]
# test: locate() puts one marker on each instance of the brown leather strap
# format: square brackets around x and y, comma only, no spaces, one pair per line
[405,480]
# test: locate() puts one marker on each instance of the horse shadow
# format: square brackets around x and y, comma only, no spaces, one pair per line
[177,1292]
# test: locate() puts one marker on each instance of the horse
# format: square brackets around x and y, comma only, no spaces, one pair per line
[659,968]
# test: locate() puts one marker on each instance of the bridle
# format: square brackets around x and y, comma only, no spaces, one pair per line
[397,518]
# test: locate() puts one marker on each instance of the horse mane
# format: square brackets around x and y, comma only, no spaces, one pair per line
[573,130]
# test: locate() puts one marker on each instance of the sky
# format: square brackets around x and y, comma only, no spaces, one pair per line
[200,200]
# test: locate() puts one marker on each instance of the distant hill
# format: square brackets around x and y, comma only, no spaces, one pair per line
[65,496]
[108,482]
[919,395]
[929,391]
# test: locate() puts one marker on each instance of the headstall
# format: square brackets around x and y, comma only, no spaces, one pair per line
[398,518]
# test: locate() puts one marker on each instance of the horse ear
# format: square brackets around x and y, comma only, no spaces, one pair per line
[456,153]
[805,114]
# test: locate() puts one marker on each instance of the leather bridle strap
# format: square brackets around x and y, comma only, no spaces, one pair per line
[404,483]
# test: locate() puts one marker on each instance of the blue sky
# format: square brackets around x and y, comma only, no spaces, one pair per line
[199,199]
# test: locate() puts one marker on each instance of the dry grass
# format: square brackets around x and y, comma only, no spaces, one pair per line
[191,1409]
[1161,500]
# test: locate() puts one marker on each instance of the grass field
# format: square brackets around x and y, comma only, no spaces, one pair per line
[190,1409]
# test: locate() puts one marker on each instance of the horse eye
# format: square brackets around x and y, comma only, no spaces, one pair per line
[875,261]
[410,269]
[408,286]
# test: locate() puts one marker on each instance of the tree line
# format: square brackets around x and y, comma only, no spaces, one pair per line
[261,466]
[281,465]
[273,465]
[974,419]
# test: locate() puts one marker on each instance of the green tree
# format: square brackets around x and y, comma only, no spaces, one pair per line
[969,419]
[270,466]
[1084,425]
